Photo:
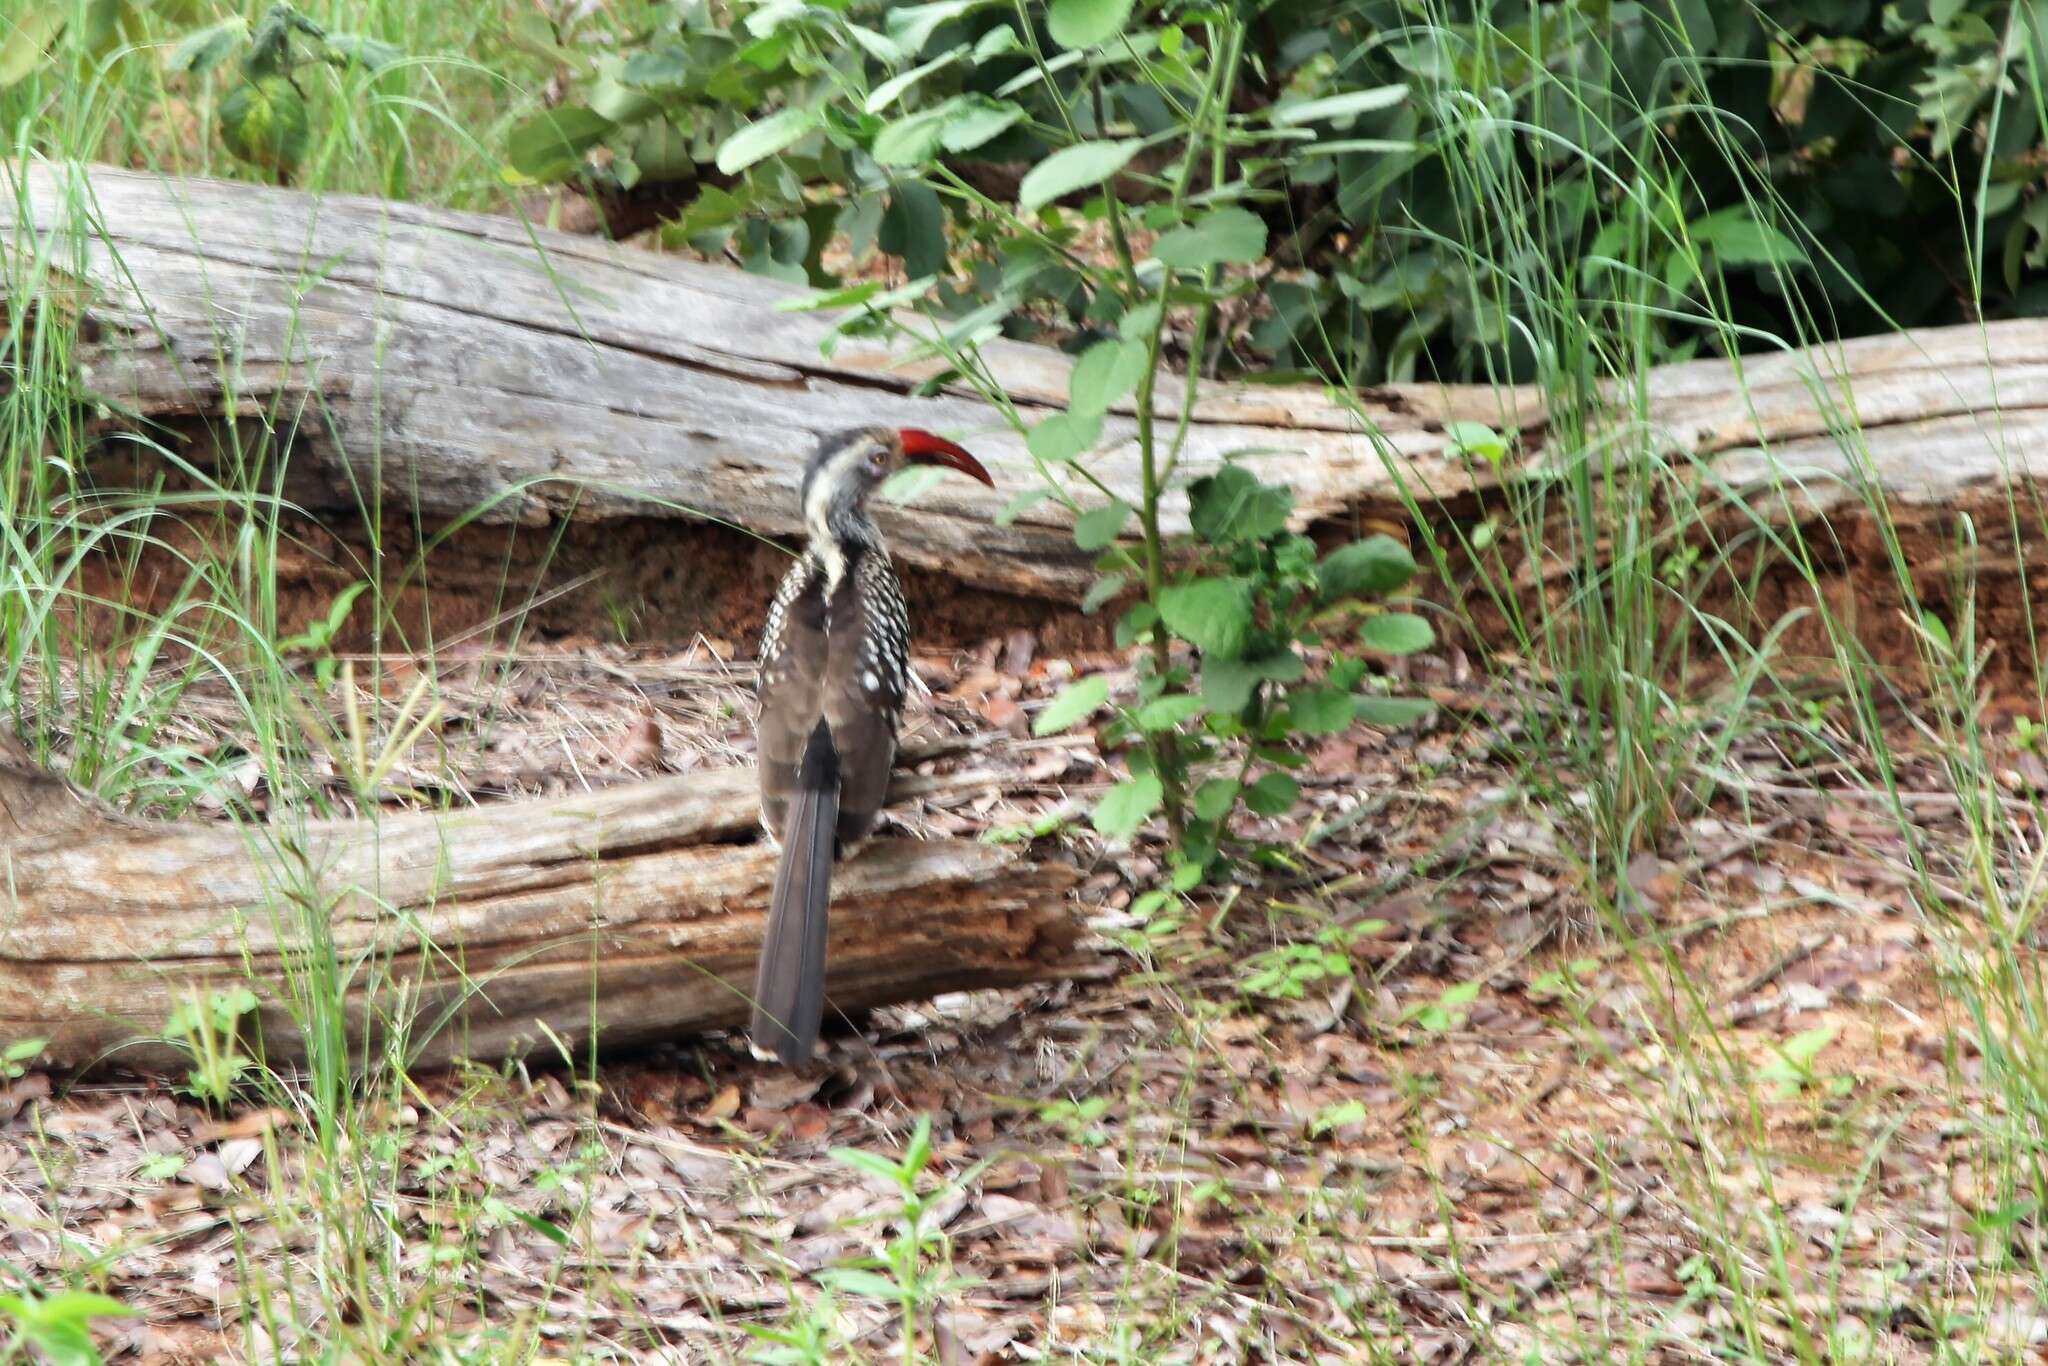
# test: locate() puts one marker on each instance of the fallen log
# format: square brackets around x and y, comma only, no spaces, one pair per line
[444,358]
[447,357]
[636,911]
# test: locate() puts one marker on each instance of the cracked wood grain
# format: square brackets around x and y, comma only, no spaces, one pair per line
[459,361]
[636,910]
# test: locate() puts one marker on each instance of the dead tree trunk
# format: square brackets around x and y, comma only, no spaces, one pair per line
[445,359]
[634,910]
[457,362]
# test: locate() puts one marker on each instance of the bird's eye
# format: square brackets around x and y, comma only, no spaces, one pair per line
[875,461]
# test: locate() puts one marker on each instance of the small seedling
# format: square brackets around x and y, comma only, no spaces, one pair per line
[1079,1120]
[15,1058]
[319,636]
[1286,972]
[915,1268]
[1446,1012]
[1790,1069]
[1568,980]
[161,1166]
[1337,1116]
[207,1027]
[58,1326]
[1476,441]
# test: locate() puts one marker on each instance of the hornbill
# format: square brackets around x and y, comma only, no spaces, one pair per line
[835,665]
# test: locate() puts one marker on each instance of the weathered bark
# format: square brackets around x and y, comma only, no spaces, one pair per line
[455,361]
[452,359]
[637,910]
[446,358]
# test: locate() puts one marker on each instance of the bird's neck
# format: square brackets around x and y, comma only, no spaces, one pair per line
[838,537]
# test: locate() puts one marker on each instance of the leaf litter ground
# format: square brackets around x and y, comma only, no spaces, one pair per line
[1405,1099]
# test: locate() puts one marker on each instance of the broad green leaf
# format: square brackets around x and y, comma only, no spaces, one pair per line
[551,143]
[337,613]
[1076,702]
[1740,240]
[371,54]
[775,248]
[1124,807]
[1392,713]
[874,1164]
[661,68]
[910,483]
[264,123]
[21,51]
[1228,683]
[204,49]
[1087,23]
[622,102]
[1105,372]
[79,1306]
[1063,436]
[975,119]
[851,296]
[1137,324]
[1476,438]
[996,42]
[1367,568]
[1214,798]
[1102,591]
[1213,614]
[1137,619]
[764,138]
[1035,72]
[1099,527]
[1164,713]
[912,26]
[889,91]
[1396,633]
[1936,630]
[1232,505]
[914,228]
[911,140]
[1344,106]
[1229,234]
[1804,1047]
[1273,794]
[1021,504]
[1071,168]
[1320,710]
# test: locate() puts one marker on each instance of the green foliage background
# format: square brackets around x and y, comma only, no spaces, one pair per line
[1833,166]
[1720,174]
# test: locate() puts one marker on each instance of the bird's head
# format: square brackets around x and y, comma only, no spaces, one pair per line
[849,466]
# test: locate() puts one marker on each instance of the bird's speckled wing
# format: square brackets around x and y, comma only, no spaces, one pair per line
[865,683]
[790,687]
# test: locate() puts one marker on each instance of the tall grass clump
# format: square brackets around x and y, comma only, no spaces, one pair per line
[140,586]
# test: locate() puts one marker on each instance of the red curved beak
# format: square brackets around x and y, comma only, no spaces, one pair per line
[922,448]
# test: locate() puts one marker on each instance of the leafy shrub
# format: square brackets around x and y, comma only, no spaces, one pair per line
[263,118]
[1223,618]
[1792,169]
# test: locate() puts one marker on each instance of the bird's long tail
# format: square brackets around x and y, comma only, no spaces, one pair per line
[789,992]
